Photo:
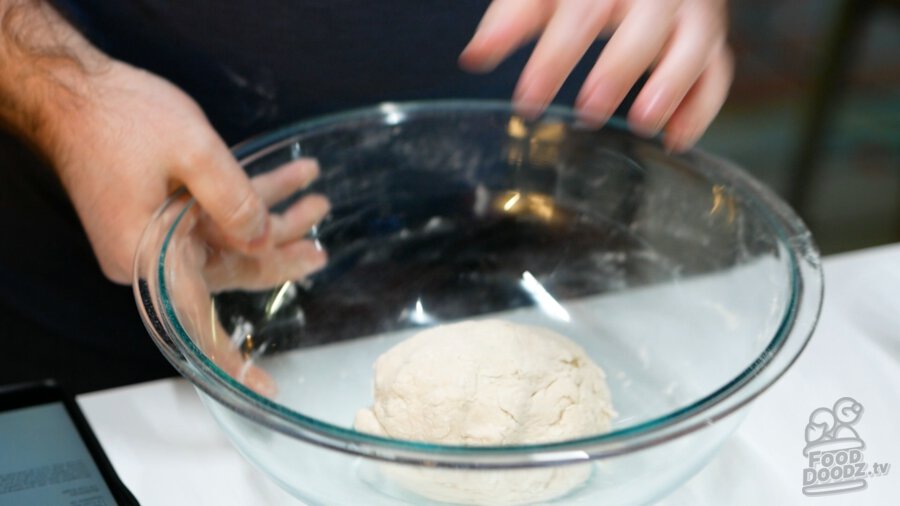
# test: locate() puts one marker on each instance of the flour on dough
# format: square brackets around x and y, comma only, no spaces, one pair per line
[488,382]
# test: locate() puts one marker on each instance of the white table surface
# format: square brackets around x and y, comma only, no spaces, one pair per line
[168,450]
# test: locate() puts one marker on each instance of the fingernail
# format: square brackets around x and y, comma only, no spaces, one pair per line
[687,143]
[528,105]
[321,260]
[678,143]
[528,111]
[482,65]
[260,381]
[585,94]
[595,107]
[643,129]
[481,44]
[309,174]
[647,117]
[593,118]
[670,144]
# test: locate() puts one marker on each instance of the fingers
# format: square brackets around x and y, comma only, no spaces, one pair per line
[228,270]
[224,191]
[698,37]
[294,223]
[288,257]
[632,49]
[679,39]
[218,346]
[702,103]
[506,25]
[276,185]
[571,31]
[284,255]
[222,351]
[258,380]
[273,187]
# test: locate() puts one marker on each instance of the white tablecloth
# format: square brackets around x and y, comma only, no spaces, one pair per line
[168,451]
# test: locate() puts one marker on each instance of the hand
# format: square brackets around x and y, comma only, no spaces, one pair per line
[132,139]
[124,147]
[290,257]
[681,42]
[122,140]
[201,262]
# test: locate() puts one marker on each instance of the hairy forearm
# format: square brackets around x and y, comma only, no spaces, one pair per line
[45,69]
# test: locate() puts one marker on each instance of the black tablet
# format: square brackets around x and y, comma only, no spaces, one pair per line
[48,454]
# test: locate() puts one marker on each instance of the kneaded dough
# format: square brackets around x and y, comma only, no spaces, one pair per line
[488,382]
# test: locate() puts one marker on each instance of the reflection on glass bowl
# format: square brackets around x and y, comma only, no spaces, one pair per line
[690,284]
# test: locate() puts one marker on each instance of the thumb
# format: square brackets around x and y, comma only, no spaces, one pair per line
[223,190]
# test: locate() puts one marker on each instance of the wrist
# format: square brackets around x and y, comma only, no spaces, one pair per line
[47,71]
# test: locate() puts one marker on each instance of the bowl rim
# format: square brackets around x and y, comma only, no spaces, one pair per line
[791,337]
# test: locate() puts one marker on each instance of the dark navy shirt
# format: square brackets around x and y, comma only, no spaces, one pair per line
[253,65]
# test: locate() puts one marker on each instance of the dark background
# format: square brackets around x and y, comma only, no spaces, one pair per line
[814,112]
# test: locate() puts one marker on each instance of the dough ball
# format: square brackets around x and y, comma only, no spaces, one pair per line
[488,382]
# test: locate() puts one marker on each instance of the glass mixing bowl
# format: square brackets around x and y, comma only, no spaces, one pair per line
[689,283]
